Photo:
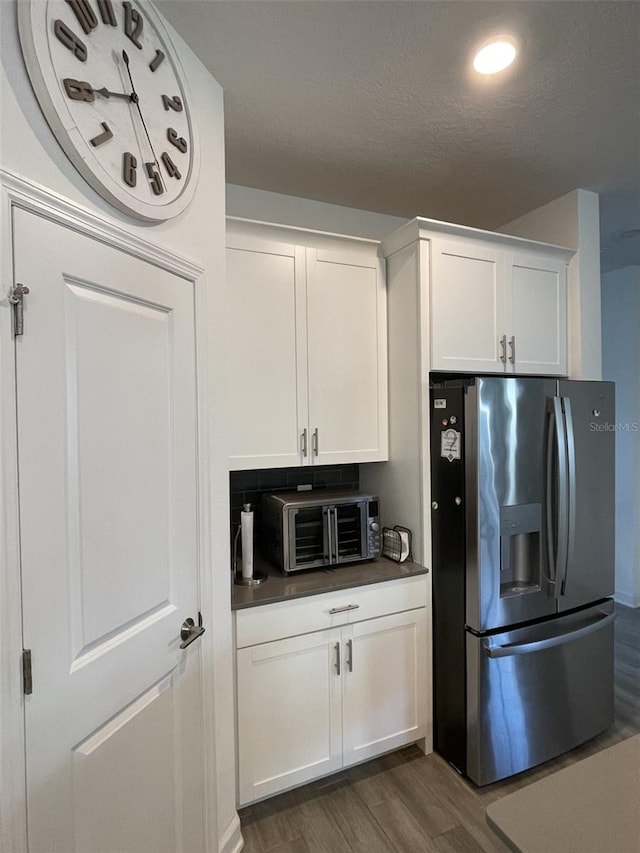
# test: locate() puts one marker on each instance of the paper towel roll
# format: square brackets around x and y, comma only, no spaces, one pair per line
[246,526]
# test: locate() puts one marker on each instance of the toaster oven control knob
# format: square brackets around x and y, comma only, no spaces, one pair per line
[374,526]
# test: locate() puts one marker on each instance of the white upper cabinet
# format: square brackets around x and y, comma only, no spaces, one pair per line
[307,348]
[267,351]
[494,303]
[466,300]
[538,312]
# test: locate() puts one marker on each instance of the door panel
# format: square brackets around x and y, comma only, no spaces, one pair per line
[114,415]
[289,715]
[108,516]
[539,314]
[536,692]
[384,684]
[590,569]
[345,327]
[267,353]
[506,446]
[466,305]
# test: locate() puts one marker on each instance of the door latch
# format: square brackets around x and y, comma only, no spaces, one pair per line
[16,296]
[27,676]
[190,631]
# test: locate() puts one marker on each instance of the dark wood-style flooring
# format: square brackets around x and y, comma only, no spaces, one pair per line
[406,801]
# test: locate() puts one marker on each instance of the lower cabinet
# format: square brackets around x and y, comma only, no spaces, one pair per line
[311,704]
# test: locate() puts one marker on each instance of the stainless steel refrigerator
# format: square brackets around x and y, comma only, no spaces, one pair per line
[522,477]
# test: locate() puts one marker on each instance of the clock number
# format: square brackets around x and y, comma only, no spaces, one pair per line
[129,165]
[70,40]
[178,141]
[107,14]
[78,90]
[132,23]
[85,14]
[156,180]
[105,136]
[157,59]
[172,103]
[170,166]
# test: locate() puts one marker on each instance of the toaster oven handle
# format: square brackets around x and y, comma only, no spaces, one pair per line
[329,525]
[334,526]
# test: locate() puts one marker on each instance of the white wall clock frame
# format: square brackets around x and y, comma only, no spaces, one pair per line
[113,91]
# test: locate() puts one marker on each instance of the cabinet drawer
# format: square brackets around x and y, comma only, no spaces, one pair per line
[267,622]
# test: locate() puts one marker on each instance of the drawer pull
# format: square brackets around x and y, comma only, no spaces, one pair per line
[344,609]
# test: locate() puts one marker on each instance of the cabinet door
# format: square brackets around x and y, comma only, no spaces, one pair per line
[384,685]
[538,309]
[289,716]
[267,353]
[347,356]
[467,303]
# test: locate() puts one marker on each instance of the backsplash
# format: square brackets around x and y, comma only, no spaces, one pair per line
[249,486]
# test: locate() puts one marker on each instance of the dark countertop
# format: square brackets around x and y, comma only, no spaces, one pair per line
[281,587]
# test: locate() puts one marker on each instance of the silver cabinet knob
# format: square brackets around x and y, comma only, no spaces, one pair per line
[434,504]
[458,501]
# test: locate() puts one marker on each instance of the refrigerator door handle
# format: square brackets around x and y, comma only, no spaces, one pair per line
[551,552]
[548,643]
[571,485]
[563,495]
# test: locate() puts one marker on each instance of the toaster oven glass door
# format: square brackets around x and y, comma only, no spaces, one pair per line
[327,535]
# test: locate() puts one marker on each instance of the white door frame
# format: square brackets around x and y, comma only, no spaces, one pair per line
[15,191]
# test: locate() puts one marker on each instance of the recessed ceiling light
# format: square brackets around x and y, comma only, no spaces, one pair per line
[495,55]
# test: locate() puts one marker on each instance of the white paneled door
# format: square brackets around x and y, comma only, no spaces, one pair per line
[108,525]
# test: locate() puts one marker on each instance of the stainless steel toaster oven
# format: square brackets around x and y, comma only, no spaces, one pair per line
[304,530]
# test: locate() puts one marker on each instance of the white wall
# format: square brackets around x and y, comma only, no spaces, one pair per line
[29,149]
[306,213]
[621,363]
[574,221]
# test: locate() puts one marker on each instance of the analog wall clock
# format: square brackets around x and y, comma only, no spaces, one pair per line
[113,91]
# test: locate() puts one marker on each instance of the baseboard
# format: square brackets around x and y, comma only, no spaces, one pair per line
[232,841]
[626,599]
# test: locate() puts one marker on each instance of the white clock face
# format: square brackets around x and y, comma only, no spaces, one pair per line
[112,90]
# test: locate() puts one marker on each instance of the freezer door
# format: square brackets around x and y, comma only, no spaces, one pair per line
[536,692]
[588,573]
[506,447]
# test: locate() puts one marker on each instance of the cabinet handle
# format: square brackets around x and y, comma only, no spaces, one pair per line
[350,655]
[344,609]
[503,344]
[337,663]
[512,345]
[303,442]
[314,441]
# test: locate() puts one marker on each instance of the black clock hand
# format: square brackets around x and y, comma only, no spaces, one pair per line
[107,94]
[136,101]
[80,90]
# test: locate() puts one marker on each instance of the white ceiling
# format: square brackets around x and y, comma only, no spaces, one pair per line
[372,104]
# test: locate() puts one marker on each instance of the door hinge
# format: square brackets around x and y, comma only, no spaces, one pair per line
[27,678]
[16,297]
